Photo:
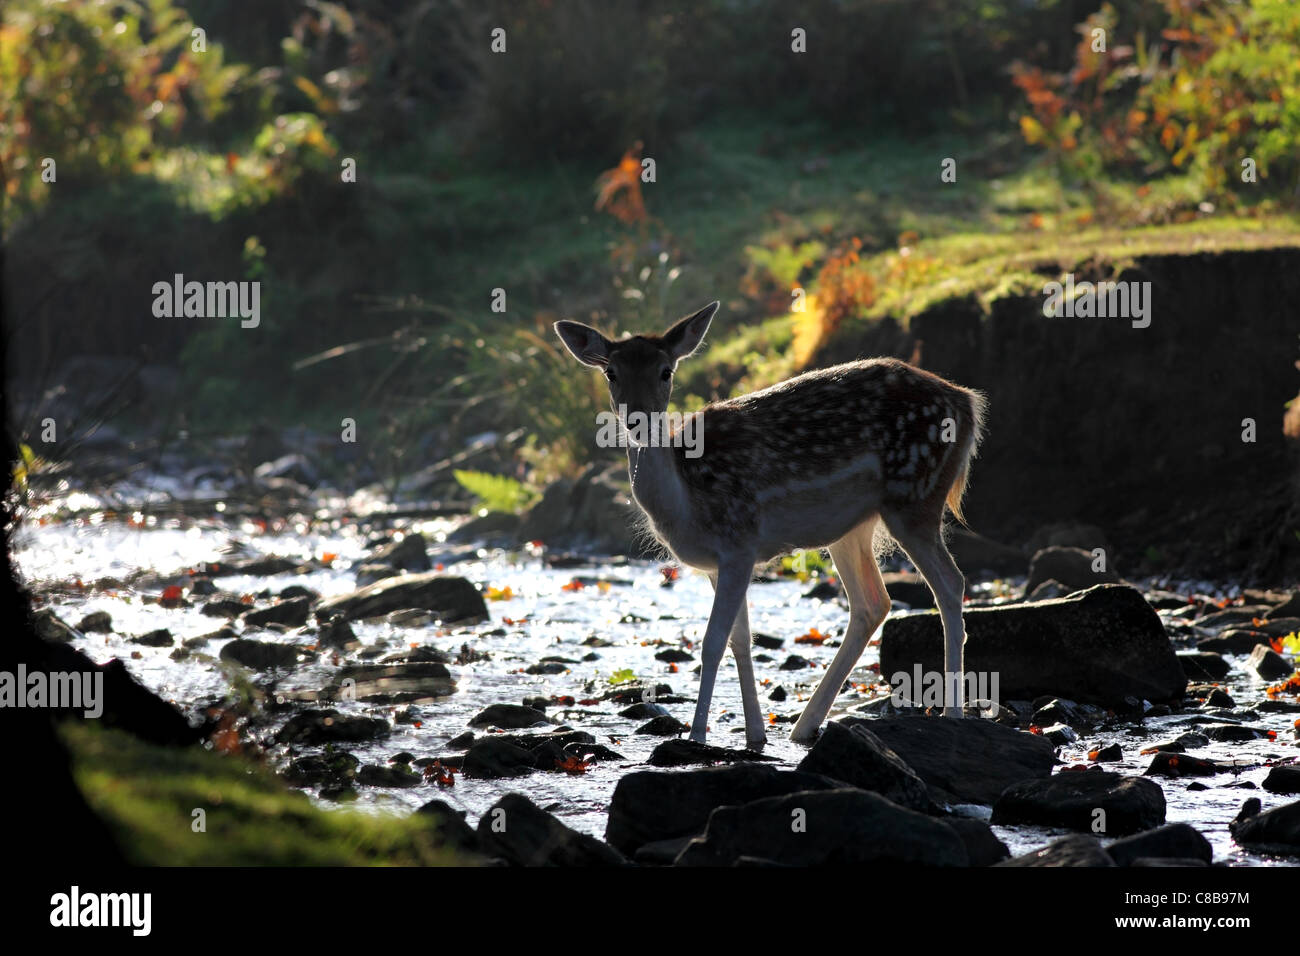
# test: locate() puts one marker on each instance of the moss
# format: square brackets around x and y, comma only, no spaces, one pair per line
[147,796]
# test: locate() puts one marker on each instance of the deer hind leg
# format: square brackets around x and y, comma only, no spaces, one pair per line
[868,604]
[755,732]
[920,533]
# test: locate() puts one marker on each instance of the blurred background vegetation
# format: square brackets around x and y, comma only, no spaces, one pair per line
[478,171]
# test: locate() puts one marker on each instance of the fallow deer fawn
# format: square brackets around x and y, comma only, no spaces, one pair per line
[816,461]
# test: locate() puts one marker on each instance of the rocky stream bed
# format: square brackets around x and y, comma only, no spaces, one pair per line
[381,663]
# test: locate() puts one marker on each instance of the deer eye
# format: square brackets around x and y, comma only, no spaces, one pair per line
[667,375]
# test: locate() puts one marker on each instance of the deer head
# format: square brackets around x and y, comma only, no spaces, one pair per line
[639,370]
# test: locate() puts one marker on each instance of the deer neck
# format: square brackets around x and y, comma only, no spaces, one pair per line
[657,484]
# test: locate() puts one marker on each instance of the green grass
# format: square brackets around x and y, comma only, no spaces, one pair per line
[147,795]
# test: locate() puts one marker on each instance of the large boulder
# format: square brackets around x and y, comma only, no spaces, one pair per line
[963,761]
[1084,800]
[855,755]
[828,827]
[1073,567]
[1177,841]
[517,831]
[1098,646]
[450,598]
[655,805]
[593,513]
[1072,851]
[1272,831]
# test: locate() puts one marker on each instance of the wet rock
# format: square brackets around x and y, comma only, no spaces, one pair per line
[547,667]
[1175,841]
[855,755]
[653,805]
[909,588]
[963,761]
[1059,734]
[127,704]
[795,663]
[449,823]
[1071,799]
[1282,780]
[593,514]
[665,726]
[294,467]
[1269,664]
[224,607]
[1072,567]
[683,753]
[673,655]
[1096,646]
[561,737]
[1232,733]
[337,769]
[1076,850]
[200,640]
[1180,862]
[365,574]
[495,529]
[336,634]
[298,591]
[397,775]
[202,586]
[777,694]
[768,642]
[1050,589]
[255,567]
[260,655]
[1108,754]
[1288,608]
[637,693]
[461,741]
[1058,711]
[1272,831]
[839,827]
[509,716]
[159,638]
[824,591]
[409,553]
[662,852]
[490,758]
[1219,698]
[1232,615]
[1167,764]
[1235,641]
[452,599]
[49,627]
[593,751]
[1203,665]
[98,622]
[982,844]
[518,831]
[643,711]
[291,613]
[330,726]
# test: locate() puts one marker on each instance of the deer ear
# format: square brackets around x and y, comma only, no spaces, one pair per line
[685,337]
[587,345]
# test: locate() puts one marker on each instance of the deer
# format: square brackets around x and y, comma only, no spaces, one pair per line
[853,458]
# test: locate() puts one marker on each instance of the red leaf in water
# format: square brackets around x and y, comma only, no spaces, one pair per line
[574,765]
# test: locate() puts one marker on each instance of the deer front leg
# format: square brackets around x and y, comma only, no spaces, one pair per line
[728,598]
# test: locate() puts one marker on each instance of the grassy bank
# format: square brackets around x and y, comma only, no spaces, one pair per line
[147,795]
